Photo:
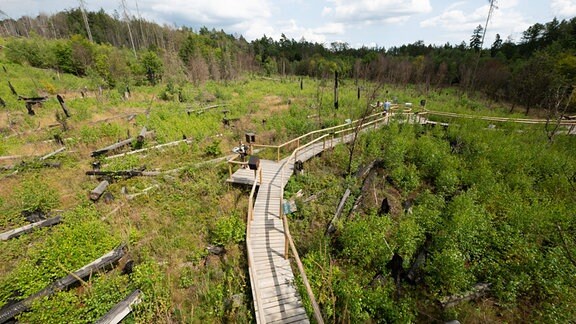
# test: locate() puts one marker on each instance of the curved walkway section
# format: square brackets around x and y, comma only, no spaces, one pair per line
[271,271]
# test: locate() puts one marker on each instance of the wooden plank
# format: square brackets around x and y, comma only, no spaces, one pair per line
[283,305]
[275,281]
[302,318]
[278,291]
[265,275]
[270,302]
[280,315]
[266,245]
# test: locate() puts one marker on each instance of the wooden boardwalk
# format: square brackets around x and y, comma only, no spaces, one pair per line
[272,273]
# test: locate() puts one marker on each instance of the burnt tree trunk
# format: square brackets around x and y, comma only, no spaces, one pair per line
[63,105]
[112,147]
[12,89]
[99,190]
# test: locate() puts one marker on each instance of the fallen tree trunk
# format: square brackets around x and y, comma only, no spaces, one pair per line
[149,148]
[123,143]
[121,310]
[122,173]
[477,291]
[112,147]
[99,190]
[201,110]
[332,226]
[29,228]
[143,192]
[11,157]
[142,135]
[63,105]
[106,261]
[47,156]
[368,174]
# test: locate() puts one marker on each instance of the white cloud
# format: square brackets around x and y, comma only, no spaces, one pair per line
[459,24]
[221,12]
[375,10]
[563,8]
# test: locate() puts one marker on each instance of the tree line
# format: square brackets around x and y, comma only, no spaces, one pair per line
[535,72]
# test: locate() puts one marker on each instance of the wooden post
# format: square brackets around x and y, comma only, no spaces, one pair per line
[260,175]
[286,237]
[336,90]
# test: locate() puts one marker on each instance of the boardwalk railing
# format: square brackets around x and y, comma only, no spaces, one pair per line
[313,138]
[501,119]
[249,218]
[296,143]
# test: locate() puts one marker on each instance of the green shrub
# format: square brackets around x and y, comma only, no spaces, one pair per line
[36,195]
[227,230]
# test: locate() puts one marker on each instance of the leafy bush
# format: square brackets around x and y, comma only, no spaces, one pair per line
[213,149]
[36,195]
[406,178]
[228,230]
[363,241]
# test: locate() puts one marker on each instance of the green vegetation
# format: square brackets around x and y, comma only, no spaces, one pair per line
[468,204]
[492,207]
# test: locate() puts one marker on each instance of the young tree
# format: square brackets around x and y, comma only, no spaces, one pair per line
[496,46]
[476,39]
[153,66]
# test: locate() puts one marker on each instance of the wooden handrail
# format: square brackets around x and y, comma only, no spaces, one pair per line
[312,133]
[502,119]
[259,305]
[289,242]
[315,306]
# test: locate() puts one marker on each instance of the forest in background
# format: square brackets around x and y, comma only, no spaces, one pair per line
[536,72]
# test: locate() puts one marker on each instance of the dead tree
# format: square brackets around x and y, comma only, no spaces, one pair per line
[112,147]
[99,190]
[557,103]
[120,144]
[12,89]
[63,105]
[365,114]
[332,226]
[121,173]
[29,228]
[122,309]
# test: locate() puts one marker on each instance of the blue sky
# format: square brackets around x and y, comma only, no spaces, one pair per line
[384,23]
